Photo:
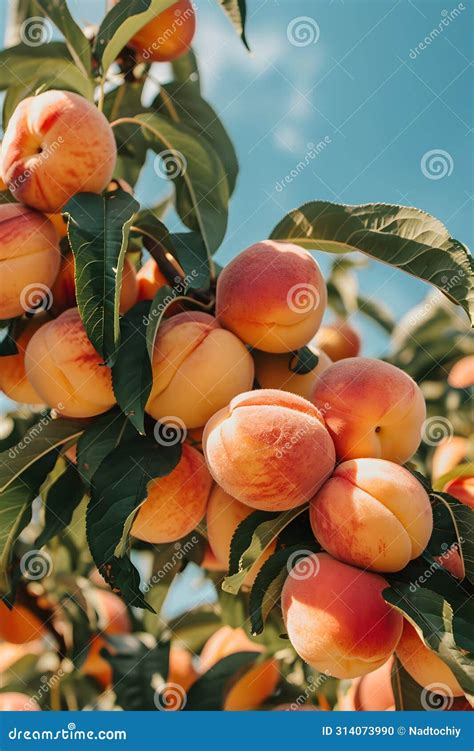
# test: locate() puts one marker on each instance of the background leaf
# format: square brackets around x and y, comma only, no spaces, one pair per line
[60,502]
[237,12]
[77,43]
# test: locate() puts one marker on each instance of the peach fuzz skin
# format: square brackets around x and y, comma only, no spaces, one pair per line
[461,488]
[29,259]
[197,368]
[65,369]
[372,409]
[336,617]
[273,372]
[176,503]
[166,37]
[13,380]
[257,683]
[273,296]
[424,666]
[56,144]
[269,449]
[373,514]
[223,516]
[370,693]
[149,280]
[338,340]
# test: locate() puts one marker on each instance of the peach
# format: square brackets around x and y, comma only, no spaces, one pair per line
[13,701]
[113,613]
[64,288]
[461,488]
[338,341]
[175,504]
[256,684]
[336,617]
[149,280]
[181,675]
[461,375]
[167,36]
[424,666]
[370,693]
[273,372]
[197,368]
[19,625]
[56,144]
[373,514]
[210,562]
[447,455]
[273,296]
[372,409]
[13,380]
[95,665]
[29,259]
[269,449]
[65,369]
[60,224]
[223,516]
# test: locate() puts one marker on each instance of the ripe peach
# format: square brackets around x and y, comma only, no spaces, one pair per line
[223,516]
[273,372]
[175,504]
[181,672]
[197,368]
[149,280]
[113,613]
[29,259]
[370,693]
[424,666]
[56,144]
[461,375]
[338,341]
[461,488]
[64,288]
[13,701]
[60,224]
[258,448]
[167,36]
[211,562]
[13,380]
[95,665]
[447,455]
[372,409]
[257,683]
[65,369]
[19,625]
[272,296]
[373,514]
[336,617]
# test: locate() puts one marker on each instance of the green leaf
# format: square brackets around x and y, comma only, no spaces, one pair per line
[406,691]
[131,374]
[400,236]
[77,43]
[119,487]
[62,499]
[120,24]
[98,228]
[125,101]
[99,439]
[138,672]
[303,361]
[237,12]
[209,691]
[7,342]
[159,305]
[463,518]
[377,312]
[185,70]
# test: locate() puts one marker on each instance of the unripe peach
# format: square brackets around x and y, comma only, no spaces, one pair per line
[273,372]
[176,503]
[197,368]
[273,296]
[447,455]
[372,409]
[223,516]
[257,683]
[338,341]
[336,617]
[29,259]
[19,625]
[149,280]
[13,701]
[65,369]
[424,666]
[13,380]
[461,375]
[56,144]
[167,36]
[269,449]
[373,514]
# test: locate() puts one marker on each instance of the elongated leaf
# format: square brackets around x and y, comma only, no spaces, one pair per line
[137,671]
[77,43]
[7,341]
[209,691]
[125,101]
[131,374]
[237,12]
[121,23]
[98,228]
[400,236]
[186,71]
[406,691]
[164,298]
[62,499]
[377,312]
[463,517]
[99,439]
[303,361]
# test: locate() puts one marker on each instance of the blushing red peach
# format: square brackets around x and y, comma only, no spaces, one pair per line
[167,36]
[29,259]
[338,340]
[424,665]
[256,684]
[447,455]
[461,488]
[269,449]
[19,625]
[65,369]
[370,693]
[336,617]
[13,380]
[273,372]
[176,503]
[149,280]
[113,613]
[14,701]
[197,368]
[56,144]
[372,409]
[373,514]
[273,296]
[461,375]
